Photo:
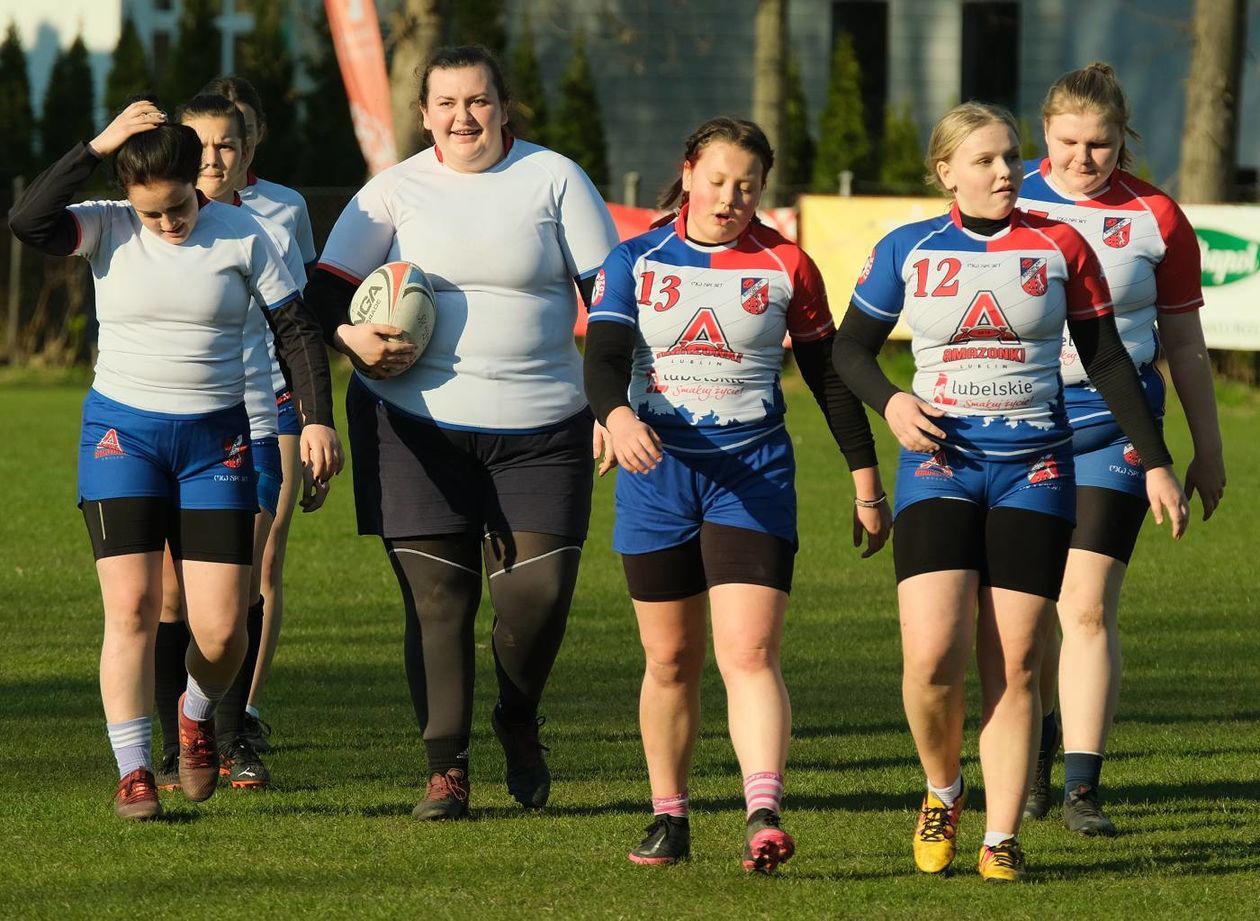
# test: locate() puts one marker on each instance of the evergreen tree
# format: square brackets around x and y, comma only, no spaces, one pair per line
[842,139]
[797,157]
[901,167]
[68,104]
[195,58]
[479,22]
[1029,141]
[578,132]
[265,62]
[529,114]
[329,154]
[128,70]
[17,122]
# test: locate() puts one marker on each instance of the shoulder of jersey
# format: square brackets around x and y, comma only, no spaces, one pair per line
[908,235]
[277,192]
[649,239]
[1140,188]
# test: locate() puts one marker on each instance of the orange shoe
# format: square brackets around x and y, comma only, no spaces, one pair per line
[198,757]
[136,799]
[936,831]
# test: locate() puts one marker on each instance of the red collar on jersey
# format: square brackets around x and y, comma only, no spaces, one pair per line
[955,215]
[202,201]
[508,141]
[251,178]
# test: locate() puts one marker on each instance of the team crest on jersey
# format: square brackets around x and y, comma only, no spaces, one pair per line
[1116,231]
[703,336]
[935,466]
[866,269]
[984,320]
[754,294]
[108,446]
[1032,275]
[1131,456]
[1043,469]
[235,450]
[597,292]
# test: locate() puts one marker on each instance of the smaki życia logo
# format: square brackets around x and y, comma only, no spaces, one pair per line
[1226,258]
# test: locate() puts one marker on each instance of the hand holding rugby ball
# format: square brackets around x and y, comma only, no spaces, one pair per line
[397,294]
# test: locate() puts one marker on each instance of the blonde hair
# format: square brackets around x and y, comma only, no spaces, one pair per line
[955,126]
[1093,88]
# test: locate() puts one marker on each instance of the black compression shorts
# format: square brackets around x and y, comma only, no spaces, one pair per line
[146,524]
[718,555]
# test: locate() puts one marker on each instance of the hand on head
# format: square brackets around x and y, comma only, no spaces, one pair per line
[135,119]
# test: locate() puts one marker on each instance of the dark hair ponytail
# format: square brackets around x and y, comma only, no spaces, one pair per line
[167,152]
[743,134]
[239,91]
[212,105]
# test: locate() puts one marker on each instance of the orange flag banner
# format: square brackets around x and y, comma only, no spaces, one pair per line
[356,37]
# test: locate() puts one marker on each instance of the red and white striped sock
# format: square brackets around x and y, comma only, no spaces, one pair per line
[677,805]
[764,790]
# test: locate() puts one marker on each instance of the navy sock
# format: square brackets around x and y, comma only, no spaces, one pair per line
[1080,768]
[1049,738]
[447,754]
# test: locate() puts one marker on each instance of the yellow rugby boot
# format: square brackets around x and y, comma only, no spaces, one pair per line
[1003,863]
[936,831]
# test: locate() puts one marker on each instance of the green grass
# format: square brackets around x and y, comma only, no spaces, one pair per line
[334,837]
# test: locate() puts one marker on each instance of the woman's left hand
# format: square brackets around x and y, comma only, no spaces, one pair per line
[1206,474]
[875,523]
[601,444]
[322,459]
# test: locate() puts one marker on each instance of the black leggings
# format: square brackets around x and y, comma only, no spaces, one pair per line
[531,577]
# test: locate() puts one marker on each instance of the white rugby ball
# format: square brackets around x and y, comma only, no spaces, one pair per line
[397,294]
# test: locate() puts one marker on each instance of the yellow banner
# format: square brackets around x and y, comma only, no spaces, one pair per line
[839,233]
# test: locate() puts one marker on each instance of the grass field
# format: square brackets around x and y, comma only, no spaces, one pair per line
[335,836]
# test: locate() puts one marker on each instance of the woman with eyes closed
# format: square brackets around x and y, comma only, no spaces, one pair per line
[985,492]
[478,450]
[164,455]
[1150,255]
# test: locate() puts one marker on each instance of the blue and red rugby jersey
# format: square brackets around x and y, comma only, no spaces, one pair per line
[711,322]
[986,316]
[1150,255]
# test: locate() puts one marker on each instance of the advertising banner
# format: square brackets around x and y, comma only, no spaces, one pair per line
[361,56]
[1229,247]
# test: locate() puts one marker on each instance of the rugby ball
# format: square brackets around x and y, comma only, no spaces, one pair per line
[397,294]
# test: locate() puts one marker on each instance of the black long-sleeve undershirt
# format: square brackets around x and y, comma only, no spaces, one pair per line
[1110,369]
[607,374]
[39,218]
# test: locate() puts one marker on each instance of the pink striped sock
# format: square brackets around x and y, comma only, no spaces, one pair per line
[677,805]
[764,790]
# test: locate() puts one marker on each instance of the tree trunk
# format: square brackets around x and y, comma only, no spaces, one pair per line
[1209,142]
[769,88]
[415,33]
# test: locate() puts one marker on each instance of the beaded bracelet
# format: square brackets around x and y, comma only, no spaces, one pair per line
[871,503]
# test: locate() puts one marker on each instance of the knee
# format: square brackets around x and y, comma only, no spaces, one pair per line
[1082,616]
[673,666]
[223,641]
[748,659]
[933,668]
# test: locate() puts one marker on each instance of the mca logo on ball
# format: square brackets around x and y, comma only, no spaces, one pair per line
[1116,231]
[367,306]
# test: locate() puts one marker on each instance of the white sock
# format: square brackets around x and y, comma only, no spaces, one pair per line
[200,701]
[251,710]
[947,795]
[994,838]
[131,741]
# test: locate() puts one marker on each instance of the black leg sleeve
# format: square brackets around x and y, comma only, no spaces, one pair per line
[606,366]
[440,579]
[532,577]
[229,718]
[170,680]
[1111,370]
[858,341]
[845,415]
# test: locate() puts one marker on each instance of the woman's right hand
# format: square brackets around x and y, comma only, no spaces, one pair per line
[637,447]
[1165,493]
[378,350]
[137,118]
[910,420]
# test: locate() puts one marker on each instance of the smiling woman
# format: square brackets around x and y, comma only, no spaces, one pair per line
[477,451]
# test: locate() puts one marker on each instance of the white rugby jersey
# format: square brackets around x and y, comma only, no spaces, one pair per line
[172,316]
[501,248]
[283,205]
[986,316]
[1149,253]
[710,322]
[263,377]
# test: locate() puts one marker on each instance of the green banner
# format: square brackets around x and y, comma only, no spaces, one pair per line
[1226,258]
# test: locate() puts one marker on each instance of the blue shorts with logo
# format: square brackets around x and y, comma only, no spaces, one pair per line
[270,474]
[287,421]
[1039,482]
[750,487]
[197,460]
[1107,459]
